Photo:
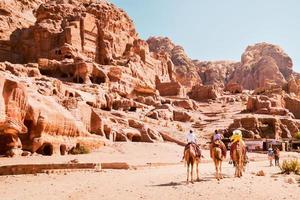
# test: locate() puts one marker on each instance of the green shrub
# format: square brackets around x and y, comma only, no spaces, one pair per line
[297,136]
[79,149]
[289,166]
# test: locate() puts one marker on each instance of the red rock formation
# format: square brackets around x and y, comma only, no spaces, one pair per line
[266,127]
[261,64]
[181,116]
[293,105]
[234,88]
[204,92]
[293,86]
[216,72]
[185,70]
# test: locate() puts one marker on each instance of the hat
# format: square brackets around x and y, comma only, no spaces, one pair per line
[237,132]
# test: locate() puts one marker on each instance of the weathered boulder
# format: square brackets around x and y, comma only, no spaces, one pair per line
[186,104]
[170,89]
[204,92]
[293,105]
[181,116]
[234,88]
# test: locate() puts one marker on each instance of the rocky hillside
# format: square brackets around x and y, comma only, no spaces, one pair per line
[76,71]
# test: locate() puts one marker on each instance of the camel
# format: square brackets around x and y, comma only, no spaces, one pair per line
[217,158]
[238,157]
[191,159]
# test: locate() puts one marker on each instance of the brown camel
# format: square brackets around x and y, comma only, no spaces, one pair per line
[218,158]
[238,157]
[191,159]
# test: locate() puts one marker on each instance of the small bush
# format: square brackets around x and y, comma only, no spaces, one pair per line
[289,166]
[79,149]
[179,127]
[297,136]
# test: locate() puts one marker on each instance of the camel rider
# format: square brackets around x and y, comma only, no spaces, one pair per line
[217,142]
[191,140]
[235,138]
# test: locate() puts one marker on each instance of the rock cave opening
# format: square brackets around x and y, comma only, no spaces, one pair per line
[54,92]
[28,123]
[78,80]
[68,56]
[46,149]
[46,72]
[136,138]
[63,149]
[99,80]
[132,109]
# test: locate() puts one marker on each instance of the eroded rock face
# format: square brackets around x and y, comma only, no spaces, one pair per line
[216,72]
[204,92]
[263,64]
[266,127]
[234,88]
[33,121]
[185,70]
[293,105]
[255,53]
[90,28]
[272,105]
[293,86]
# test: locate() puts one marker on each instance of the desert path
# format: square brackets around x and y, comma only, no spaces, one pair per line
[166,182]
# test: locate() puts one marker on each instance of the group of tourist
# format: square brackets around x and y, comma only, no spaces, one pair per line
[273,153]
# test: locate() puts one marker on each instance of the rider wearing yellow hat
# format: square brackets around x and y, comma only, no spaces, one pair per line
[236,138]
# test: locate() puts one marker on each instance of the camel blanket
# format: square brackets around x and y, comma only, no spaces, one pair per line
[234,146]
[219,144]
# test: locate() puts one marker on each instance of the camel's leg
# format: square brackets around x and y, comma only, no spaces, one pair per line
[198,179]
[221,175]
[188,171]
[192,171]
[236,170]
[217,170]
[240,169]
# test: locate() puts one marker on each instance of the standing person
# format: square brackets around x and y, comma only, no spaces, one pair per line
[271,156]
[276,154]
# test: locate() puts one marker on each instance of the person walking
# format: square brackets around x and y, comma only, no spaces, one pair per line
[276,155]
[270,156]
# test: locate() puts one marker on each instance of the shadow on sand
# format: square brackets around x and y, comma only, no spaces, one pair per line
[203,179]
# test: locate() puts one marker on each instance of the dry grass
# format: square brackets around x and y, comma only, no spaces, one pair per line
[290,166]
[297,136]
[79,149]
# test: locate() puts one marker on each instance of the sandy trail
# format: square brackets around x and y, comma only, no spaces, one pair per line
[150,183]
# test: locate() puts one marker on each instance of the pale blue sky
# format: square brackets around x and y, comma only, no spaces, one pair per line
[219,29]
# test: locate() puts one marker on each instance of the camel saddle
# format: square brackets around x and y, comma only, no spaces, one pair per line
[219,144]
[195,147]
[234,146]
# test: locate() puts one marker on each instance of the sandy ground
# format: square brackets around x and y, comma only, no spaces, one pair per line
[167,182]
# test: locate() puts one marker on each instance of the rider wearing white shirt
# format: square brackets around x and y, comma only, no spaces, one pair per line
[191,138]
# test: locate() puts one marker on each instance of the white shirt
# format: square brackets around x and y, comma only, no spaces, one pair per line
[191,138]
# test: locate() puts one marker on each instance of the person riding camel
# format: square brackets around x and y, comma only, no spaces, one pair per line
[217,142]
[191,140]
[235,138]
